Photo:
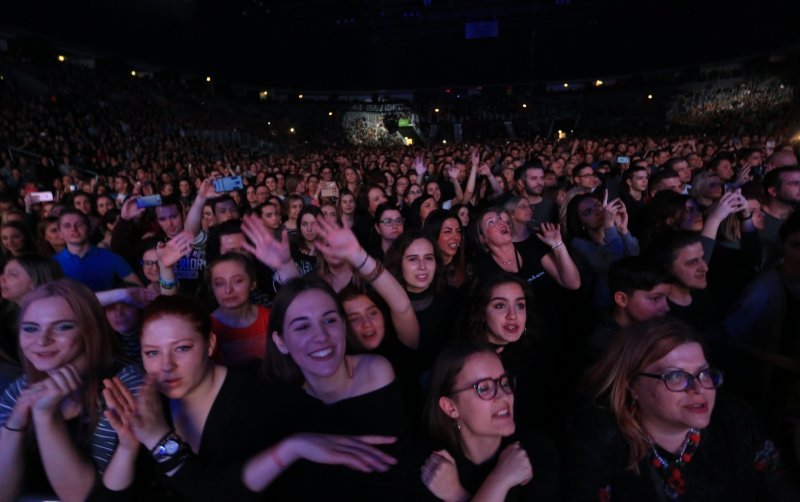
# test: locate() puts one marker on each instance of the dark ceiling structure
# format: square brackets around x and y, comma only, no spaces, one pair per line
[391,44]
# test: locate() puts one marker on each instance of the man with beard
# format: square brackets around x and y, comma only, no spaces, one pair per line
[782,191]
[529,180]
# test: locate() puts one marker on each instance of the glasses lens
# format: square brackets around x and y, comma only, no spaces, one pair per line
[507,384]
[710,378]
[678,380]
[486,389]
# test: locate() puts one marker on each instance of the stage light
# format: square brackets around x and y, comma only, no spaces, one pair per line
[435,110]
[444,141]
[561,134]
[61,58]
[649,96]
[524,105]
[208,79]
[598,83]
[133,73]
[566,85]
[330,114]
[299,96]
[263,95]
[291,130]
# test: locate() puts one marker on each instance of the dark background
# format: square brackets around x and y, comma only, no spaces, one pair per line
[381,44]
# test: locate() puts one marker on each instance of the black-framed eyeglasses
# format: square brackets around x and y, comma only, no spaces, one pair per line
[679,380]
[487,387]
[389,221]
[149,263]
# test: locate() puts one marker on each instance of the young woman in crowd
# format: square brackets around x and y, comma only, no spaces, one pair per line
[444,228]
[413,261]
[543,262]
[16,240]
[21,275]
[304,251]
[347,208]
[521,214]
[469,414]
[371,197]
[292,205]
[326,391]
[216,419]
[419,210]
[389,226]
[412,193]
[54,437]
[49,239]
[240,325]
[659,430]
[597,234]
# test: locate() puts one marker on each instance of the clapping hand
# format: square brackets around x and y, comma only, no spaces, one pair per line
[58,386]
[141,416]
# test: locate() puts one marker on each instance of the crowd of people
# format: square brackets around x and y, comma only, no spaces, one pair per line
[601,319]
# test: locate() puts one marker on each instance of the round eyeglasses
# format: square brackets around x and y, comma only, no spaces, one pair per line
[679,381]
[487,388]
[390,221]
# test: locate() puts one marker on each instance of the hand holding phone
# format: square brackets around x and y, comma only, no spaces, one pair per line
[228,184]
[148,201]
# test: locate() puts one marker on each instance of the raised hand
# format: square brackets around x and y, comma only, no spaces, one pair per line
[337,242]
[743,176]
[610,210]
[130,209]
[453,172]
[729,203]
[140,297]
[419,167]
[440,475]
[172,251]
[265,247]
[206,190]
[549,233]
[475,156]
[621,220]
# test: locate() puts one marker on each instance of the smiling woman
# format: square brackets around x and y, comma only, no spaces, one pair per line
[333,393]
[660,430]
[54,407]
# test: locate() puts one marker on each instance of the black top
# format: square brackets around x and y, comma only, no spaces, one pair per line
[733,461]
[380,412]
[543,457]
[437,313]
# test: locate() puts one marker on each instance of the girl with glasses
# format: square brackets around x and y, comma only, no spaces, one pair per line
[389,226]
[659,430]
[469,414]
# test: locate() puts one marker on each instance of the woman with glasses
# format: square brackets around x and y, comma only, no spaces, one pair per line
[659,430]
[469,414]
[389,226]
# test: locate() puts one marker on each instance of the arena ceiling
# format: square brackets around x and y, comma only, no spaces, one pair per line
[370,44]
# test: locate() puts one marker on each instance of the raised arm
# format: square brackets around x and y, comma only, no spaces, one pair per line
[270,251]
[341,243]
[194,217]
[558,263]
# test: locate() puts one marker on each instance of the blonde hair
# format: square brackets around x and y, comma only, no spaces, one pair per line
[95,337]
[633,349]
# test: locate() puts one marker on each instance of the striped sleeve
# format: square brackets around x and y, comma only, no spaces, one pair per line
[10,396]
[104,439]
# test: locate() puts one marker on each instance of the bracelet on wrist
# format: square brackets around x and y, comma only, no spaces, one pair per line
[273,453]
[167,284]
[364,261]
[749,217]
[376,272]
[557,246]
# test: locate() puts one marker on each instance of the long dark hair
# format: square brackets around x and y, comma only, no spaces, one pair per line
[394,257]
[451,361]
[473,321]
[575,228]
[432,228]
[280,367]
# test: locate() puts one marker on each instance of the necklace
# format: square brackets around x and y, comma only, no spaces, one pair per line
[674,484]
